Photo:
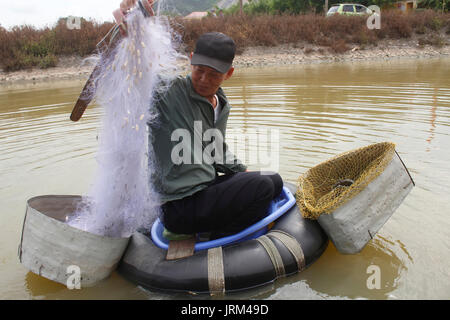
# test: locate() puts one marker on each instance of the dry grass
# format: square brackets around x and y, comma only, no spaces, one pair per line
[336,32]
[24,46]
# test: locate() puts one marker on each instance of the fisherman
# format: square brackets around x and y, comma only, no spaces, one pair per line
[204,194]
[196,198]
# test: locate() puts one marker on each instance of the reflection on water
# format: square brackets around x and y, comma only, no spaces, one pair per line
[40,287]
[349,274]
[387,255]
[319,111]
[432,118]
[115,287]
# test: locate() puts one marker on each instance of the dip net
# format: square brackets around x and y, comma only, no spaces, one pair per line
[325,187]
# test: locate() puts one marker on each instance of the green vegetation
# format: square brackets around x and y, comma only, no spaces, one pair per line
[184,7]
[24,46]
[317,6]
[443,5]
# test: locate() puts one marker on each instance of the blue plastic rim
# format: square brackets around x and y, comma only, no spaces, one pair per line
[277,208]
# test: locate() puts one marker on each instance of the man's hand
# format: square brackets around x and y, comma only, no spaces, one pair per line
[127,4]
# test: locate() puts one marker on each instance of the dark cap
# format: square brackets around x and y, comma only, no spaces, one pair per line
[215,50]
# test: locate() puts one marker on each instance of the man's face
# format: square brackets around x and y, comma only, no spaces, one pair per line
[206,80]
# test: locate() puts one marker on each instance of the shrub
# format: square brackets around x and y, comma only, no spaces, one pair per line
[434,40]
[25,46]
[48,61]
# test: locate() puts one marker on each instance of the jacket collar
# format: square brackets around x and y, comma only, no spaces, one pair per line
[220,94]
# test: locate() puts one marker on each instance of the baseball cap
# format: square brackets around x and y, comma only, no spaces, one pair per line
[215,50]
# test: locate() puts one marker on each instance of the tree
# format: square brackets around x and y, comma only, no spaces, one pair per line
[302,6]
[435,4]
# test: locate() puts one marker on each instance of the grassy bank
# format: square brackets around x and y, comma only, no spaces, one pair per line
[24,47]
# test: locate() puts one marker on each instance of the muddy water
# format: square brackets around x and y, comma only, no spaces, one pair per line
[317,111]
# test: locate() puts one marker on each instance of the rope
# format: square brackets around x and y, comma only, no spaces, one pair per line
[274,255]
[292,245]
[216,275]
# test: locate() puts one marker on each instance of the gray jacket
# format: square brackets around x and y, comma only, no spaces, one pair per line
[183,113]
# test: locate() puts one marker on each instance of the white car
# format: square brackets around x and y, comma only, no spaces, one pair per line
[352,9]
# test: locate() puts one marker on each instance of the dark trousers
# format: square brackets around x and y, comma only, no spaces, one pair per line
[229,205]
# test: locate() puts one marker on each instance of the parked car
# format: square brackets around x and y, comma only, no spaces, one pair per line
[349,9]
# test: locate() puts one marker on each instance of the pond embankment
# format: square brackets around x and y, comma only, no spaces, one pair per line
[75,67]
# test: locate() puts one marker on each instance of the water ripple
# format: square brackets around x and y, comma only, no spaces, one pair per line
[318,111]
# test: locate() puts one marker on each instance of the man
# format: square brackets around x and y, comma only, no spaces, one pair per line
[195,197]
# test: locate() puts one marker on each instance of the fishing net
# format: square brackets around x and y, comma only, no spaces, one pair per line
[325,187]
[142,65]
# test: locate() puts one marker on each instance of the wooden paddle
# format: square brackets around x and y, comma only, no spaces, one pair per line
[88,92]
[89,88]
[85,96]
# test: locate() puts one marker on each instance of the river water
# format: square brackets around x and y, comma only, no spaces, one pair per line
[317,111]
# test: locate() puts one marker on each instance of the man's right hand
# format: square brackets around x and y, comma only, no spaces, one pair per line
[127,4]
